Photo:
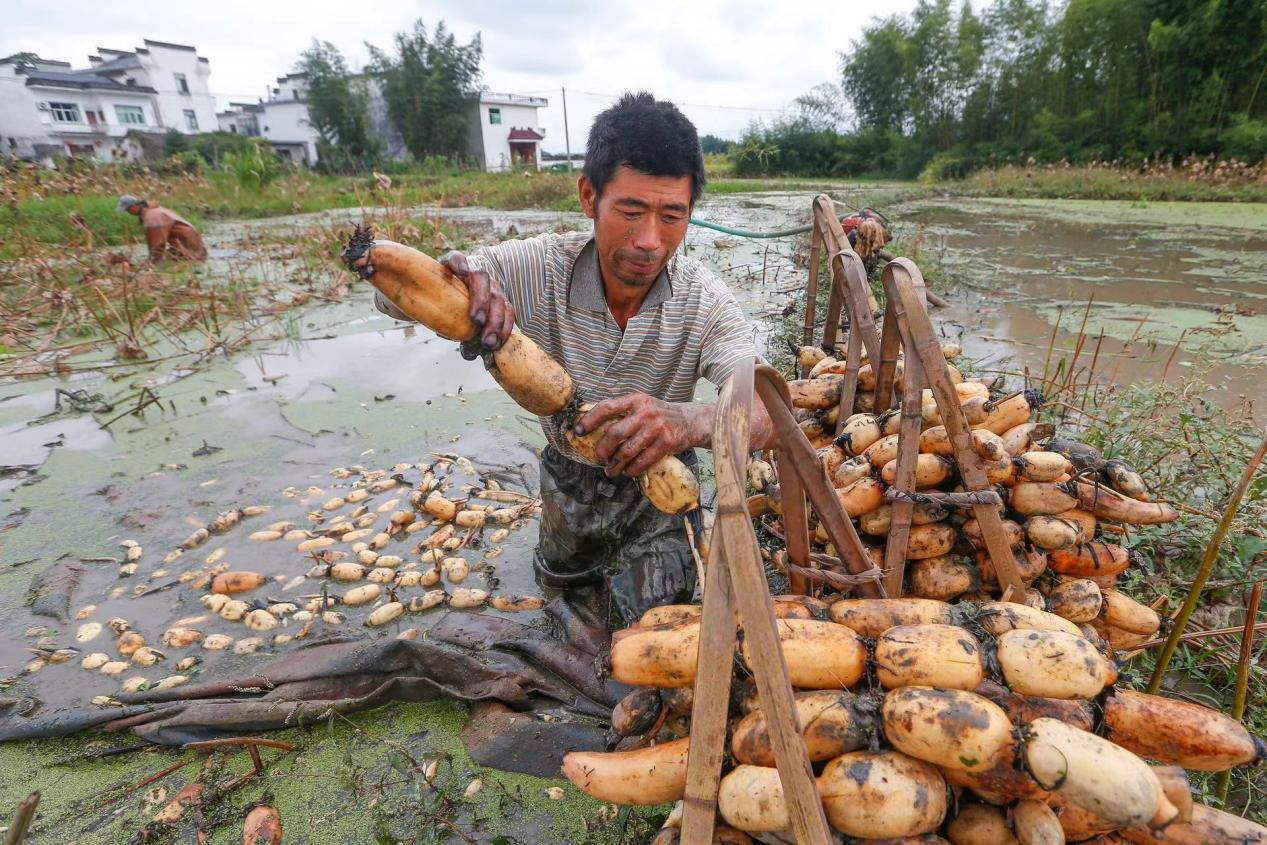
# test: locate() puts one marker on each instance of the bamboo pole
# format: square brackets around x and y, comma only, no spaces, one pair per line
[712,698]
[920,339]
[1204,635]
[1203,574]
[849,381]
[741,558]
[1242,676]
[848,279]
[913,381]
[811,303]
[22,818]
[795,449]
[795,521]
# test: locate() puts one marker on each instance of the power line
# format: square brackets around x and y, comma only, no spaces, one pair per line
[683,103]
[578,91]
[737,108]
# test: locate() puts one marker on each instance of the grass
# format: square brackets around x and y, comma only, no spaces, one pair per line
[51,207]
[1099,182]
[70,219]
[45,211]
[54,208]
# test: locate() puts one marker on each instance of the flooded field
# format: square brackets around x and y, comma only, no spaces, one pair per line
[337,385]
[1156,288]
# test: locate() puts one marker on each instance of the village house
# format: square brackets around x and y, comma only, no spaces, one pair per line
[283,121]
[504,130]
[105,111]
[49,108]
[505,133]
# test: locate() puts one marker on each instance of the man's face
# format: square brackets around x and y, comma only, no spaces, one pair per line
[135,208]
[639,221]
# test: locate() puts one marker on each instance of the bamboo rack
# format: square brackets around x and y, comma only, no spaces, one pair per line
[736,582]
[906,331]
[736,592]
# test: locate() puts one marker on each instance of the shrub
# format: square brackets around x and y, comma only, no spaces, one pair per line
[948,165]
[189,161]
[213,146]
[174,141]
[1246,140]
[253,168]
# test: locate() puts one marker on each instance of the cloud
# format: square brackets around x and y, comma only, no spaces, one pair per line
[729,60]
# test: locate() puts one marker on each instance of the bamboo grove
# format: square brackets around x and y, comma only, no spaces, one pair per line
[947,91]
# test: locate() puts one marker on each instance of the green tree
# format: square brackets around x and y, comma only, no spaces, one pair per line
[823,108]
[877,75]
[430,86]
[946,89]
[712,144]
[338,108]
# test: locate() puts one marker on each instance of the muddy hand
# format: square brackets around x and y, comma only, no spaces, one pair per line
[490,309]
[646,430]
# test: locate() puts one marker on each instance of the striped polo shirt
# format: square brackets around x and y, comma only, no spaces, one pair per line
[689,327]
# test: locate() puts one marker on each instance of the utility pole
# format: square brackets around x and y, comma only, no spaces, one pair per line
[567,142]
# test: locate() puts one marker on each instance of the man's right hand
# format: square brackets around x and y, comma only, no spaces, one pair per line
[491,311]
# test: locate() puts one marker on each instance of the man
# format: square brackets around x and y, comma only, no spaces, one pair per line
[636,326]
[165,228]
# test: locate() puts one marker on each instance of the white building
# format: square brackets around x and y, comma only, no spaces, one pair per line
[504,130]
[283,120]
[178,75]
[48,108]
[505,133]
[240,119]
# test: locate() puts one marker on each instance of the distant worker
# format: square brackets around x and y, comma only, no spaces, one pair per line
[867,230]
[165,228]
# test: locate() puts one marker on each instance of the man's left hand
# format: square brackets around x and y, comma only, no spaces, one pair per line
[646,431]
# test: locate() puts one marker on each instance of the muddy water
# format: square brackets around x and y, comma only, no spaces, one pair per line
[1172,287]
[343,385]
[271,446]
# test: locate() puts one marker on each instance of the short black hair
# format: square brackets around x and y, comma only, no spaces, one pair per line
[651,136]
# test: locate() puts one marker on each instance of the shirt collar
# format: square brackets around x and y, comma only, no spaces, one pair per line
[586,288]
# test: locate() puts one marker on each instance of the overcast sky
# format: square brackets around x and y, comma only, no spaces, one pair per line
[726,62]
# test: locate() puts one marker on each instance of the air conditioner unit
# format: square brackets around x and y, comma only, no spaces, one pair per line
[42,106]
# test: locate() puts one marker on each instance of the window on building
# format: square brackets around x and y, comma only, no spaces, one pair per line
[191,120]
[65,112]
[130,115]
[494,116]
[182,84]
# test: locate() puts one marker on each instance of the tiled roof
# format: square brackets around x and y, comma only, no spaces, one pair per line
[25,58]
[149,42]
[82,79]
[118,63]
